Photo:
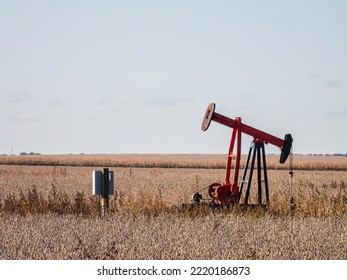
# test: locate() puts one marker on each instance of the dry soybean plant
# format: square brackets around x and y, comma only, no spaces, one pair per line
[67,190]
[48,212]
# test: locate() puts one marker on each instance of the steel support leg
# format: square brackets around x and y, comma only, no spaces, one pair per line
[266,183]
[249,181]
[256,151]
[243,180]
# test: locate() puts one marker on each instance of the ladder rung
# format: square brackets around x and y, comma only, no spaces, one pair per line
[233,156]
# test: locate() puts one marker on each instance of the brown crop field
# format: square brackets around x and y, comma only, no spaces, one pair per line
[47,210]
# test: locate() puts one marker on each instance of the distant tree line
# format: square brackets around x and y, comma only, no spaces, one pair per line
[337,154]
[29,154]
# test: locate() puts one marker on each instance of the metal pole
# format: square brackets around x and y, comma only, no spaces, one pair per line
[250,176]
[243,180]
[105,193]
[291,173]
[257,149]
[230,156]
[265,176]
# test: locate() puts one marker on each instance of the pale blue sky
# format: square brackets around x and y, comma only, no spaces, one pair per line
[137,76]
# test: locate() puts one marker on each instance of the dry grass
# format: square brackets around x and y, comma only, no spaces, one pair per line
[173,236]
[48,212]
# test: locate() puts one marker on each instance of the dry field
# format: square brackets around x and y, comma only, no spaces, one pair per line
[171,161]
[48,212]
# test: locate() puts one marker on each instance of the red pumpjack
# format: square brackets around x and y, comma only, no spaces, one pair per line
[231,192]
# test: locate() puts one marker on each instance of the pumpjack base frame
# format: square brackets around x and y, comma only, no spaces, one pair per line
[228,194]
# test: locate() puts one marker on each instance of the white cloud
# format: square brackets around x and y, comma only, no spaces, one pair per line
[19,97]
[26,117]
[334,83]
[329,82]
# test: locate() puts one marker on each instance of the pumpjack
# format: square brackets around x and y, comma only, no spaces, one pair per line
[231,191]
